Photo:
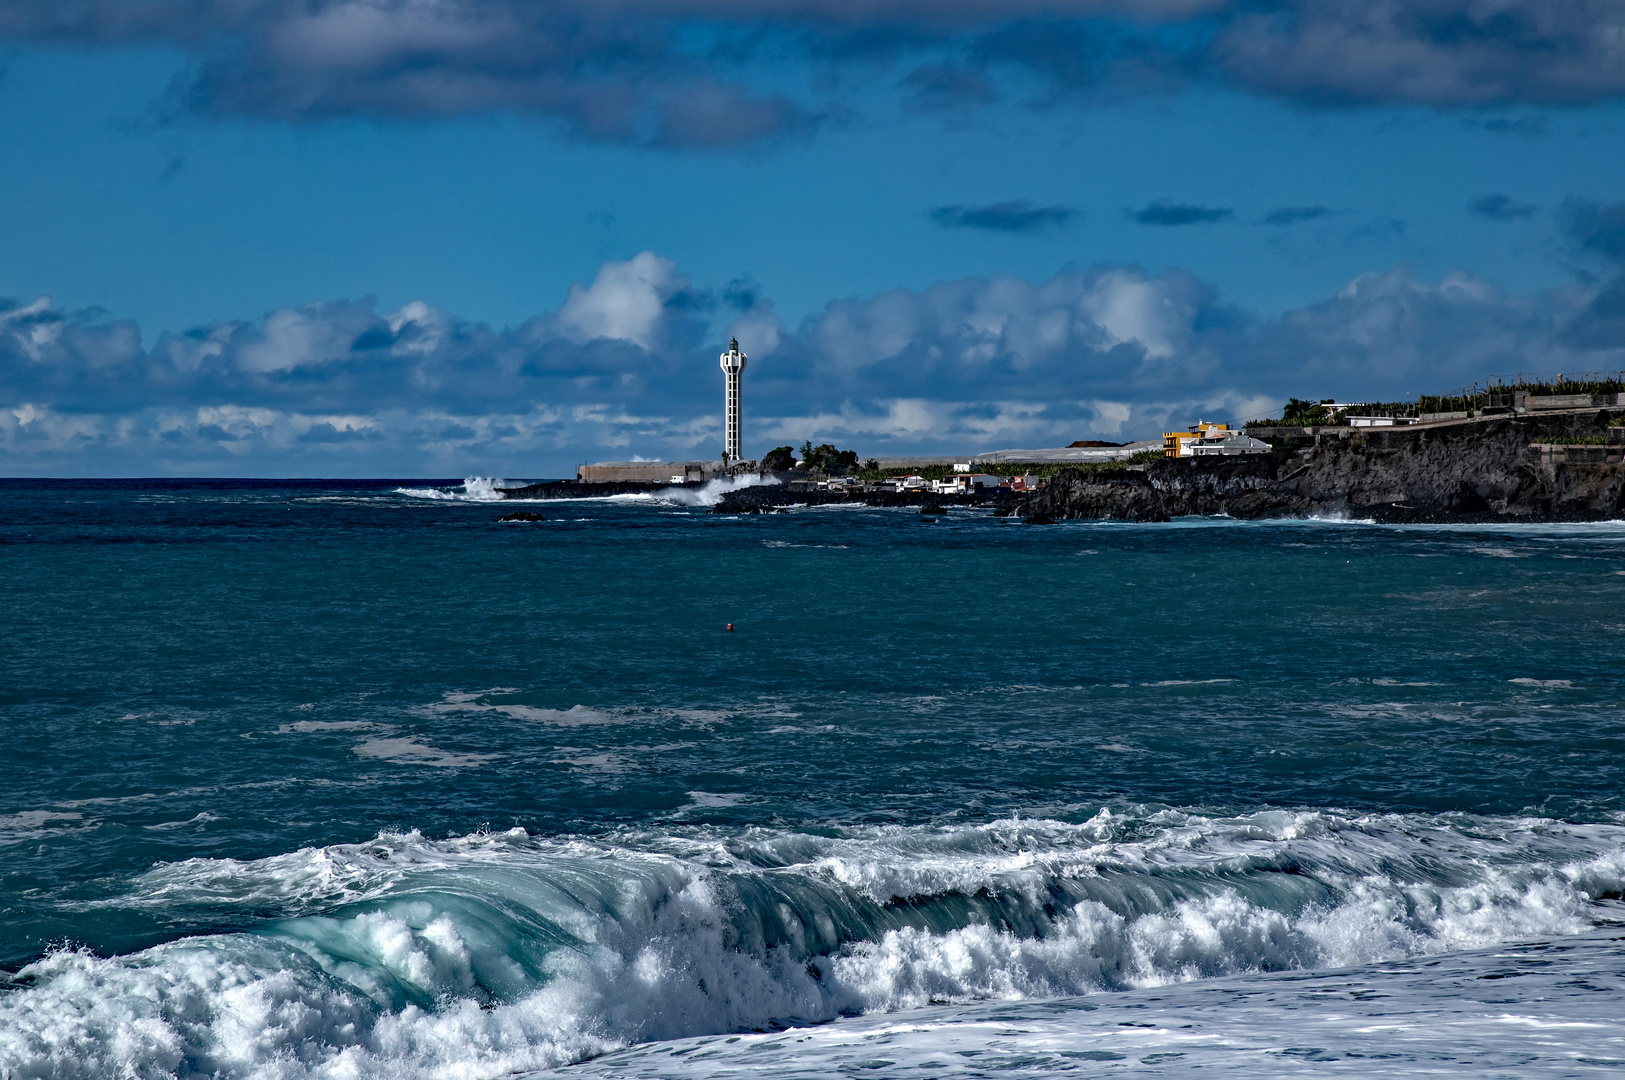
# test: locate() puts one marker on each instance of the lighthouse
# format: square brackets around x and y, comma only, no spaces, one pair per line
[733,365]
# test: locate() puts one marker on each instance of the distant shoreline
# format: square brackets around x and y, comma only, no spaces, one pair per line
[1547,468]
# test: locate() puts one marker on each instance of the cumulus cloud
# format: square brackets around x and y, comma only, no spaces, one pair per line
[711,73]
[627,366]
[627,301]
[1015,216]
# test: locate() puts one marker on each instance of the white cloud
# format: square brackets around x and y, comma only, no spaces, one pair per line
[625,302]
[758,331]
[1132,308]
[315,334]
[40,306]
[1110,416]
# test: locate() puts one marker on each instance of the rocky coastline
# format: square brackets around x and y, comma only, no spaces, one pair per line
[586,489]
[1546,468]
[1489,470]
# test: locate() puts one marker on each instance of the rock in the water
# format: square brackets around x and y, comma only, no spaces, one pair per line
[933,508]
[522,515]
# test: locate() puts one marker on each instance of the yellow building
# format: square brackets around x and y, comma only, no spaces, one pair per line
[1170,441]
[1177,443]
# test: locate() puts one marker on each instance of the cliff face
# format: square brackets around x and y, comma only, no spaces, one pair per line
[1473,472]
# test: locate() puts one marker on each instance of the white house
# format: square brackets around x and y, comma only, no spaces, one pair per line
[967,483]
[912,482]
[1379,421]
[1231,444]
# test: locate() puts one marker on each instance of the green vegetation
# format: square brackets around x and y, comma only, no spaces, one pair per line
[778,459]
[1304,413]
[826,459]
[1494,394]
[1436,403]
[1582,385]
[930,472]
[1044,469]
[1497,393]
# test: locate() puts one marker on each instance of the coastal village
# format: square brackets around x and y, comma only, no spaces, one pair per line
[825,468]
[1535,448]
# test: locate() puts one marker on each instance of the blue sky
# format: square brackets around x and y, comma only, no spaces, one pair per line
[443,237]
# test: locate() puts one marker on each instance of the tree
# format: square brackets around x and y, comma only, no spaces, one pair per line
[1305,413]
[825,458]
[779,459]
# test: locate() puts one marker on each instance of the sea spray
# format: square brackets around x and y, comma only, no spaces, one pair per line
[473,489]
[712,491]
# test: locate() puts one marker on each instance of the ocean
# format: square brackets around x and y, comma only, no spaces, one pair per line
[350,779]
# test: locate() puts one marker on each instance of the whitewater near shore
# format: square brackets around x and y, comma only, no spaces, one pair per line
[1543,1008]
[356,780]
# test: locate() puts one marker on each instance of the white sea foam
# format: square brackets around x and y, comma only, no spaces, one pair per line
[600,762]
[474,489]
[307,727]
[476,702]
[31,820]
[491,954]
[33,824]
[202,818]
[711,492]
[1546,1009]
[409,752]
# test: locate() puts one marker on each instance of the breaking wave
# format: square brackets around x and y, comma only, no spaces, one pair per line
[473,489]
[711,492]
[493,953]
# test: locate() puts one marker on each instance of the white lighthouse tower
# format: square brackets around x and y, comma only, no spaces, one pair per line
[733,365]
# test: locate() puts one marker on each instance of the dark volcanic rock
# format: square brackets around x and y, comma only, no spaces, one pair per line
[768,498]
[933,508]
[1471,472]
[1117,495]
[522,515]
[580,489]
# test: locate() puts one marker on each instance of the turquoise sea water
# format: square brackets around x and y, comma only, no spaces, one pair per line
[349,778]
